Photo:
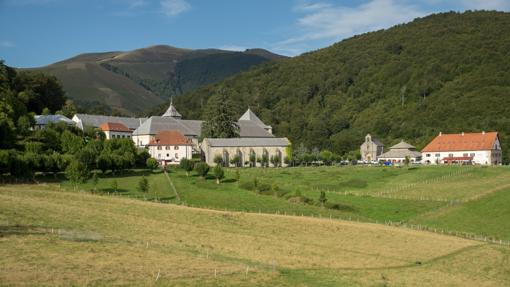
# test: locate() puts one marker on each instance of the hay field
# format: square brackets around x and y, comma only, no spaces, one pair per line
[62,238]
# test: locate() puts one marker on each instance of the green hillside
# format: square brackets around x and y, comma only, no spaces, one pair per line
[131,82]
[446,72]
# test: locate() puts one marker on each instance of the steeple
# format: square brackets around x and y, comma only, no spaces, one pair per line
[172,112]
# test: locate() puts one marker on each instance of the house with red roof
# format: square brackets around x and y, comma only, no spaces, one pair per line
[115,130]
[465,148]
[170,147]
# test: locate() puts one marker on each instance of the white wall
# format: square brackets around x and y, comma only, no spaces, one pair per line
[114,134]
[480,157]
[142,140]
[173,154]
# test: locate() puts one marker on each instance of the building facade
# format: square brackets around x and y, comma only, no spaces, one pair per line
[170,147]
[371,149]
[42,120]
[465,148]
[399,152]
[115,130]
[249,151]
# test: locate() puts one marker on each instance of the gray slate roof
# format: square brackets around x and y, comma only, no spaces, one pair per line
[247,142]
[251,116]
[157,124]
[172,112]
[97,120]
[403,145]
[250,129]
[401,150]
[377,142]
[46,119]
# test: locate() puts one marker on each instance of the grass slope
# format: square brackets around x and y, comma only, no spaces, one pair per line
[59,238]
[373,194]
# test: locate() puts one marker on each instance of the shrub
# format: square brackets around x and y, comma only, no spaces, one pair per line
[143,185]
[202,169]
[248,185]
[218,159]
[77,172]
[219,174]
[152,163]
[187,165]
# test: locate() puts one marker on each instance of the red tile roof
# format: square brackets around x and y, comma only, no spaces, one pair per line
[462,142]
[115,127]
[170,138]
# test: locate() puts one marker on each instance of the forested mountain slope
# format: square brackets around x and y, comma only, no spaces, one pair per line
[446,72]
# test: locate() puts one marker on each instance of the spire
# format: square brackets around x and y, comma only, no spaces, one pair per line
[172,112]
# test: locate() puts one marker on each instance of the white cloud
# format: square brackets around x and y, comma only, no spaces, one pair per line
[7,44]
[174,7]
[322,21]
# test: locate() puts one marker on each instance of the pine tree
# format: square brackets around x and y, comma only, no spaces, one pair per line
[220,117]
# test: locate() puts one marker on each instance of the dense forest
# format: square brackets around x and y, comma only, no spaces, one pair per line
[447,72]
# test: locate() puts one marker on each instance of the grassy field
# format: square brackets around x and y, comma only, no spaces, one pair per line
[53,238]
[452,198]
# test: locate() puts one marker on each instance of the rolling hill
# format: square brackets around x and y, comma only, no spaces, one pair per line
[446,72]
[130,82]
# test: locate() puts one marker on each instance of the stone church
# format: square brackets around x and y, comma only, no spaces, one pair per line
[371,149]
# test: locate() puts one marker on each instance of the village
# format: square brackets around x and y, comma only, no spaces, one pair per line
[169,138]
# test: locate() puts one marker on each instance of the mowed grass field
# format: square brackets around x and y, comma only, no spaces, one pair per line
[51,238]
[463,199]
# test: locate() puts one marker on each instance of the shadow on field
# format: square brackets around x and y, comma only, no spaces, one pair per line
[8,230]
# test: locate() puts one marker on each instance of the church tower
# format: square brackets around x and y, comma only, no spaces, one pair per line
[172,112]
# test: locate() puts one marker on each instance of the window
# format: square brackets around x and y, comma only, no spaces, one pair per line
[176,147]
[159,155]
[438,155]
[167,147]
[167,155]
[159,147]
[472,154]
[176,155]
[428,155]
[450,155]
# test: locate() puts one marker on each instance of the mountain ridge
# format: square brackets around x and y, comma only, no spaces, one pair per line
[130,82]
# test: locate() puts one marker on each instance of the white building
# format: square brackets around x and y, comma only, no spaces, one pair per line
[83,120]
[472,148]
[170,147]
[371,148]
[399,152]
[250,126]
[115,130]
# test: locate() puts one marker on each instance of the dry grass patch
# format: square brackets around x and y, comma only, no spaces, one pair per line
[136,240]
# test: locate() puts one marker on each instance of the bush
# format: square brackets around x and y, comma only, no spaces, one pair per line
[186,165]
[143,185]
[77,172]
[152,163]
[202,169]
[219,174]
[218,159]
[248,185]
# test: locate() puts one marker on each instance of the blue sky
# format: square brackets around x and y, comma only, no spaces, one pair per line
[39,32]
